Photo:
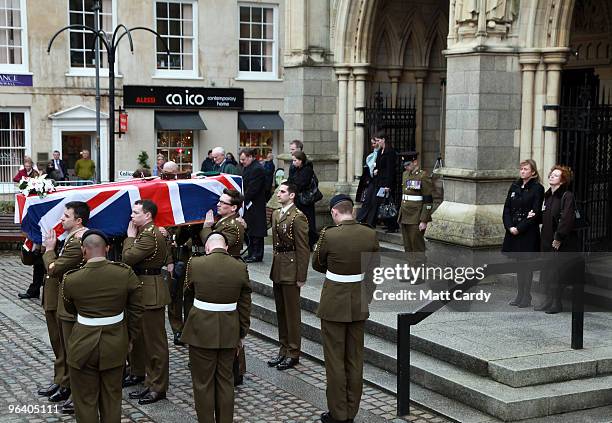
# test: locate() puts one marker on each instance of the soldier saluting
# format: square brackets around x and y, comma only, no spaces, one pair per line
[216,327]
[145,250]
[343,307]
[106,297]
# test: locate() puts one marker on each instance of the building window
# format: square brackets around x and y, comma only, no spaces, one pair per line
[82,55]
[257,43]
[12,144]
[176,146]
[13,36]
[177,24]
[261,141]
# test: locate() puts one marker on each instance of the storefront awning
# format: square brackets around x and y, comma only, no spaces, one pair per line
[260,121]
[177,121]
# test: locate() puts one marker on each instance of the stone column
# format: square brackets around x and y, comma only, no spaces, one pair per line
[360,73]
[529,63]
[394,77]
[554,62]
[350,130]
[420,79]
[538,115]
[342,73]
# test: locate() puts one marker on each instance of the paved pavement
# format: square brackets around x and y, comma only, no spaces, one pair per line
[297,395]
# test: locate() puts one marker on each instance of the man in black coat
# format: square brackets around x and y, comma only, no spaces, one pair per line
[385,174]
[59,167]
[254,187]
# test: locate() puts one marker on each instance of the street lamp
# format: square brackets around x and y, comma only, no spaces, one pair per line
[111,48]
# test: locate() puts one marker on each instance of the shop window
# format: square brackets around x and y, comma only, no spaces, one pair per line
[12,144]
[257,42]
[13,36]
[82,56]
[176,146]
[261,141]
[176,22]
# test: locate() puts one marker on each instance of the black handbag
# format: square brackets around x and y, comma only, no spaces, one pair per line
[580,221]
[387,209]
[312,195]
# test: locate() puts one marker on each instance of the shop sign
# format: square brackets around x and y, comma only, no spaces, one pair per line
[139,96]
[13,80]
[123,122]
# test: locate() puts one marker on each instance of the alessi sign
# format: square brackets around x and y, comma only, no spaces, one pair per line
[140,96]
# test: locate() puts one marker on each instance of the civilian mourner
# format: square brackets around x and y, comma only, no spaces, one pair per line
[288,273]
[216,327]
[145,250]
[254,183]
[106,297]
[343,308]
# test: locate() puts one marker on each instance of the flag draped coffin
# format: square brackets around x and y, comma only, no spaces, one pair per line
[178,201]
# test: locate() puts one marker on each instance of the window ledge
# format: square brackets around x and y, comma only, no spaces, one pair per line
[14,72]
[256,79]
[88,75]
[178,76]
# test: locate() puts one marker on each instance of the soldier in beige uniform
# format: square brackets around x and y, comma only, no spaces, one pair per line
[415,211]
[216,327]
[76,215]
[145,250]
[232,227]
[107,299]
[343,308]
[288,273]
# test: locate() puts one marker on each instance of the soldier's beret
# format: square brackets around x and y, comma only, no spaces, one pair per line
[338,199]
[95,232]
[410,157]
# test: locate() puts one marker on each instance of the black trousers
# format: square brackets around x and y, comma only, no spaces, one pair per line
[38,275]
[256,247]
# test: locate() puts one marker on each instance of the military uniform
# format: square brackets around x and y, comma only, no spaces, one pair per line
[219,319]
[100,292]
[181,253]
[289,265]
[343,309]
[416,208]
[70,257]
[146,254]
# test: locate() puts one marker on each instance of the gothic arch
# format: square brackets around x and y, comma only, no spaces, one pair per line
[413,36]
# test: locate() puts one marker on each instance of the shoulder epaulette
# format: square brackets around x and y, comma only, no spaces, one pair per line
[366,224]
[69,272]
[118,263]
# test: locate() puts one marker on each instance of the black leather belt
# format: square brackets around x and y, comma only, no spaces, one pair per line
[284,250]
[149,272]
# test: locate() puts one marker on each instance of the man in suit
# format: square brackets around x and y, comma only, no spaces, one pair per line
[385,174]
[254,183]
[222,165]
[145,249]
[343,307]
[288,273]
[208,164]
[216,327]
[107,299]
[74,219]
[59,166]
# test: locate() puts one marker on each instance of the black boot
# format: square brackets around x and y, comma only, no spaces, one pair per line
[557,305]
[545,305]
[526,298]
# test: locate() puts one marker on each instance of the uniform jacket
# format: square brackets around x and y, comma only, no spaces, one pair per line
[415,212]
[102,289]
[149,251]
[558,220]
[254,183]
[519,202]
[339,250]
[70,257]
[233,231]
[291,248]
[221,279]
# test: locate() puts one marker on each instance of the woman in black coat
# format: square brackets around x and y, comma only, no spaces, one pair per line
[558,235]
[302,178]
[385,174]
[366,193]
[522,232]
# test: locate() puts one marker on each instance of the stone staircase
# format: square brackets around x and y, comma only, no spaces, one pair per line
[472,366]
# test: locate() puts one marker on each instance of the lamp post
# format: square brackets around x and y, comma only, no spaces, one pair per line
[111,49]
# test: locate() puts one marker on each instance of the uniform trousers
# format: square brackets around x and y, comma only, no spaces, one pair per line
[289,313]
[343,352]
[59,364]
[414,240]
[96,391]
[151,349]
[213,385]
[66,329]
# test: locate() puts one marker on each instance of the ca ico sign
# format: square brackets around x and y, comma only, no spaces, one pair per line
[140,96]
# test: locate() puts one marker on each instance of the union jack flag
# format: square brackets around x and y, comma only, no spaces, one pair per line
[178,202]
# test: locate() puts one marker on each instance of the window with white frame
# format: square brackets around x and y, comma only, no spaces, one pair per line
[12,143]
[257,42]
[176,22]
[13,36]
[82,55]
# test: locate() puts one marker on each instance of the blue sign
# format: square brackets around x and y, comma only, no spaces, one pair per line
[13,80]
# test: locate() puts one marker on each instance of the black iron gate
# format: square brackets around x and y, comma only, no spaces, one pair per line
[585,144]
[399,123]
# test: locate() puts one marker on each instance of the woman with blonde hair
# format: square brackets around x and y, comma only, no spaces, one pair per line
[28,170]
[525,195]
